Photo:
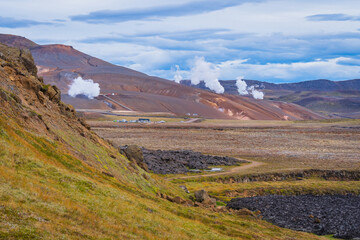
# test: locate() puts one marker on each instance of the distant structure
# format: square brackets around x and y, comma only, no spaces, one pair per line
[144,120]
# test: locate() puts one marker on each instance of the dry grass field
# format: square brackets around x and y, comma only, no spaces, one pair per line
[280,145]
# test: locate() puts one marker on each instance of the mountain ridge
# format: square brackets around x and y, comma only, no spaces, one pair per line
[308,85]
[335,99]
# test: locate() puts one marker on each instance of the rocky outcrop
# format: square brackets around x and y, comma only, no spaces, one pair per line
[203,197]
[135,154]
[323,215]
[20,83]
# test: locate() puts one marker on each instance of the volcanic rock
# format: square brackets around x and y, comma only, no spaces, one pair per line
[180,161]
[324,215]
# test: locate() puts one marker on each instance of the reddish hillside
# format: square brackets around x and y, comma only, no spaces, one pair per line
[59,64]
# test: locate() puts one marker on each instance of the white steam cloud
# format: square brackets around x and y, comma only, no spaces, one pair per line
[177,76]
[256,93]
[241,85]
[243,89]
[207,72]
[85,87]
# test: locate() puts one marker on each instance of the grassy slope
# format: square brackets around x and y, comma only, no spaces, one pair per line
[46,192]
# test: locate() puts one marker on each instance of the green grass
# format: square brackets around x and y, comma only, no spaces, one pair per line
[307,186]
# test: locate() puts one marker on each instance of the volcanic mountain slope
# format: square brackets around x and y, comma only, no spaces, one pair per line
[331,98]
[59,180]
[59,64]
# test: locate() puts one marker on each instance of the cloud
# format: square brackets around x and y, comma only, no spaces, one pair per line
[157,55]
[332,69]
[159,12]
[349,62]
[7,22]
[333,17]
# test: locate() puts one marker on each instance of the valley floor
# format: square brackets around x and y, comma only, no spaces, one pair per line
[271,147]
[279,145]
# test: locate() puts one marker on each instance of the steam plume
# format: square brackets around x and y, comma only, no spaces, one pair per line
[241,85]
[177,76]
[256,93]
[85,87]
[207,72]
[243,89]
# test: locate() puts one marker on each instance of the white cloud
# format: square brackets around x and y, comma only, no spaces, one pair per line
[333,69]
[278,31]
[327,69]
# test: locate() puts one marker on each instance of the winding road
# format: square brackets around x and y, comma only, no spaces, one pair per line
[238,169]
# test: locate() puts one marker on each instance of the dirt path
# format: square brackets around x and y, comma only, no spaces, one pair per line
[192,120]
[233,170]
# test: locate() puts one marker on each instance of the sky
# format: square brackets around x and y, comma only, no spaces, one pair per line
[268,40]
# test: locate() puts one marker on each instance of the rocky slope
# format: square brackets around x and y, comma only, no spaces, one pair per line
[59,64]
[59,180]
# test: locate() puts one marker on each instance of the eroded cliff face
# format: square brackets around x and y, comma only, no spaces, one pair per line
[33,104]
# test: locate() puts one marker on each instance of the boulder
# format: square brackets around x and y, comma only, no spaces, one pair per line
[201,196]
[209,201]
[134,154]
[3,95]
[178,200]
[53,93]
[183,187]
[28,61]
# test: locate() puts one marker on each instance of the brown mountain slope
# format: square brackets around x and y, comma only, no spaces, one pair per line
[335,99]
[59,64]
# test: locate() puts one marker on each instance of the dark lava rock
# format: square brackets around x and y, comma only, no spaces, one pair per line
[323,215]
[174,162]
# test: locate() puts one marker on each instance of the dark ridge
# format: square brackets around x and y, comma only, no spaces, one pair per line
[331,175]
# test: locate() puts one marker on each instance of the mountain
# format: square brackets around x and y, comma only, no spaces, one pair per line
[124,89]
[331,98]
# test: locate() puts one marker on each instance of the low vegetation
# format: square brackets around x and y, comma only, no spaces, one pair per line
[315,186]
